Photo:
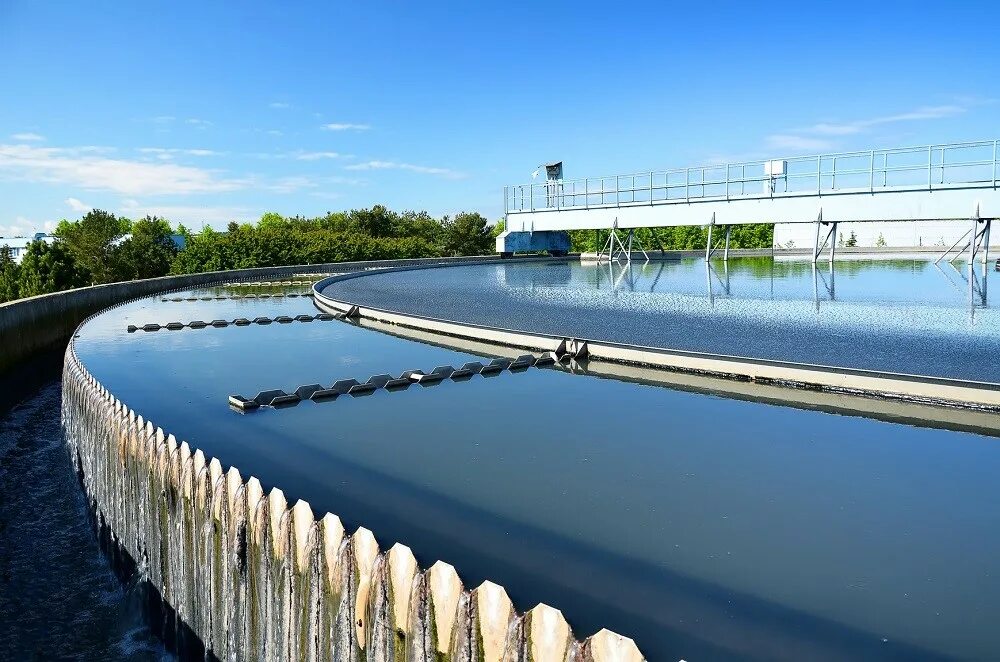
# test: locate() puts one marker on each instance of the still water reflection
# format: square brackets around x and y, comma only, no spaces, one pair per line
[704,527]
[907,316]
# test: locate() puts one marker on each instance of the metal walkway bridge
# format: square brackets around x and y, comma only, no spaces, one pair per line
[948,182]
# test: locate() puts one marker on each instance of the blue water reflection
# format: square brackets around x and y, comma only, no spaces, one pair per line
[906,315]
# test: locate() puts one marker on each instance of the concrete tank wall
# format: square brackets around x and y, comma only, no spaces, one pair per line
[29,326]
[255,577]
[240,573]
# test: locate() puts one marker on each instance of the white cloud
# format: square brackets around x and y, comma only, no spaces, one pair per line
[162,119]
[23,227]
[76,205]
[337,126]
[279,105]
[820,137]
[394,165]
[316,156]
[201,124]
[166,153]
[857,126]
[797,143]
[291,184]
[84,168]
[27,137]
[274,132]
[193,215]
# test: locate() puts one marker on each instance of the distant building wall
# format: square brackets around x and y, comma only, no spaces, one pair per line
[907,234]
[19,245]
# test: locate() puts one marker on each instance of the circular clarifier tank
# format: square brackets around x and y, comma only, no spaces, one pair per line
[702,525]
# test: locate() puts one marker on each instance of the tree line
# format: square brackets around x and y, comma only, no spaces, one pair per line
[103,248]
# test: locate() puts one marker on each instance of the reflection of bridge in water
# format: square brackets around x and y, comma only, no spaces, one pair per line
[949,182]
[623,276]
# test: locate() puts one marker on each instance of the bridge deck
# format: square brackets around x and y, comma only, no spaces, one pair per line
[934,182]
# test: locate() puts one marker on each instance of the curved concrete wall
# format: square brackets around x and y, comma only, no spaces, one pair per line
[28,326]
[246,575]
[868,383]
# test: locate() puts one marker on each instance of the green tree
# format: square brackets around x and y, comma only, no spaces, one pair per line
[375,222]
[467,234]
[9,272]
[852,240]
[48,268]
[91,242]
[147,252]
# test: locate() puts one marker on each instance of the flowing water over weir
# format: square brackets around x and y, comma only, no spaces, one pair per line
[58,597]
[243,575]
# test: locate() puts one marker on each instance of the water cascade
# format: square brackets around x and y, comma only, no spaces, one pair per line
[239,574]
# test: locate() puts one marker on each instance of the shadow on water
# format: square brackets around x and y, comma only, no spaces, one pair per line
[59,598]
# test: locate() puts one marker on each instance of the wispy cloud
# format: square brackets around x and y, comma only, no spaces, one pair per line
[857,126]
[291,184]
[342,126]
[200,124]
[167,153]
[27,137]
[797,143]
[395,165]
[822,136]
[24,227]
[192,215]
[86,168]
[76,205]
[279,105]
[316,156]
[162,119]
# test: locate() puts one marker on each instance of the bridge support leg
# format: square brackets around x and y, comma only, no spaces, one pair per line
[725,254]
[986,241]
[833,243]
[708,247]
[818,247]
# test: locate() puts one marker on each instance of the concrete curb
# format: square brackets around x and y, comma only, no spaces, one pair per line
[869,383]
[257,578]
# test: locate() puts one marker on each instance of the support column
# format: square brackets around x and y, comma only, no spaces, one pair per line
[819,222]
[725,255]
[986,241]
[708,248]
[833,242]
[972,244]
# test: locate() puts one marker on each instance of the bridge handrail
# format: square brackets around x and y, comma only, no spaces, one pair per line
[858,171]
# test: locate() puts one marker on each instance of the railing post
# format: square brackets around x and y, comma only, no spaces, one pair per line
[833,181]
[930,168]
[995,162]
[650,187]
[586,193]
[871,174]
[819,174]
[687,184]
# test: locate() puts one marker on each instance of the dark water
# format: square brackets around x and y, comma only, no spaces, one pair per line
[704,527]
[58,597]
[906,316]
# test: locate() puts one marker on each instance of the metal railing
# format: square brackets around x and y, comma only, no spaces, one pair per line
[929,167]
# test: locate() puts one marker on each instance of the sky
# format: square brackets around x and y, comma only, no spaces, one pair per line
[207,112]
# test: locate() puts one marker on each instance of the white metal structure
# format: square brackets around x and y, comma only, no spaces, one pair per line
[951,182]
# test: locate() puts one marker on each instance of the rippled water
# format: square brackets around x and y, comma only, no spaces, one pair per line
[704,527]
[58,597]
[899,315]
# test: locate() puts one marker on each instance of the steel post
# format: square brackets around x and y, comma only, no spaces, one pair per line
[725,255]
[708,247]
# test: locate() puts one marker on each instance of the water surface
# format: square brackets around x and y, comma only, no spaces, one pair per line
[703,527]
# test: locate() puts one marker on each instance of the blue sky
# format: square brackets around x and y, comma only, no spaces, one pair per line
[202,112]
